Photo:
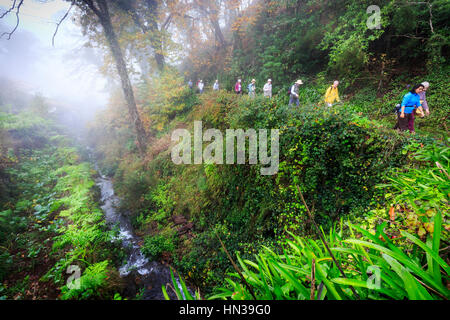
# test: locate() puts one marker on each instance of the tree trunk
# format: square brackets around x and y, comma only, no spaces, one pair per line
[105,20]
[218,32]
[156,43]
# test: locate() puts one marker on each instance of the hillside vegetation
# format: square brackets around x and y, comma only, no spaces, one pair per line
[348,162]
[342,160]
[356,209]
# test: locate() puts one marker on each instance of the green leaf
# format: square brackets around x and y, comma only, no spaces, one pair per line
[407,262]
[436,244]
[164,291]
[428,250]
[414,289]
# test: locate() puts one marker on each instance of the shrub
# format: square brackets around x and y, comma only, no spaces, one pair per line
[154,246]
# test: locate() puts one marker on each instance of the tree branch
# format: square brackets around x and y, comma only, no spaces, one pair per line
[167,22]
[59,23]
[407,36]
[9,10]
[17,18]
[430,6]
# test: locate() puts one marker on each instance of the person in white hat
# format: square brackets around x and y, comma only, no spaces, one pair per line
[423,97]
[294,93]
[268,89]
[252,89]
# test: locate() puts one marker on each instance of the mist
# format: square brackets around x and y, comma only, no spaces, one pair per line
[66,74]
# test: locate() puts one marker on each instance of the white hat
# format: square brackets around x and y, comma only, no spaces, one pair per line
[253,80]
[299,82]
[270,80]
[425,84]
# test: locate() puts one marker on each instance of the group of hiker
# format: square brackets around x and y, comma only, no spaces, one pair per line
[267,89]
[331,95]
[414,102]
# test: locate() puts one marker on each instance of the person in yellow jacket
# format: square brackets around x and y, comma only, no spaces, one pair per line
[332,94]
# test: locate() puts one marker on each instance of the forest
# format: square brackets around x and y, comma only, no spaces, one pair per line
[148,197]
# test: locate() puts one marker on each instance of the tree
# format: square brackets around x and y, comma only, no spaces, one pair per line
[100,9]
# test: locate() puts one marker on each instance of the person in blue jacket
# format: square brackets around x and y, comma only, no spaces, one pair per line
[411,101]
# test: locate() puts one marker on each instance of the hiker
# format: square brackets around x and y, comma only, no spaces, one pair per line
[252,88]
[238,87]
[268,89]
[201,85]
[190,84]
[411,101]
[293,97]
[216,86]
[423,97]
[332,94]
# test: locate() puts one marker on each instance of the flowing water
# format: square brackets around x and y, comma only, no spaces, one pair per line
[139,272]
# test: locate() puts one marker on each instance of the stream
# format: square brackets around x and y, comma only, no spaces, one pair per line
[139,272]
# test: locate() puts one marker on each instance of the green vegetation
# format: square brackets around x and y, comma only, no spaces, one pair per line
[408,267]
[306,270]
[344,162]
[154,246]
[380,261]
[379,196]
[50,218]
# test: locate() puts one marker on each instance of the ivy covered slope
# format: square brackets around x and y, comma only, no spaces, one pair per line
[50,218]
[396,253]
[340,159]
[347,161]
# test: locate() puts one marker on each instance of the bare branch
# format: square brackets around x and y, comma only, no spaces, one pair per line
[17,22]
[59,23]
[167,22]
[430,7]
[9,10]
[408,36]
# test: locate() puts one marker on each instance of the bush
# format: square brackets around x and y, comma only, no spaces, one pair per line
[154,246]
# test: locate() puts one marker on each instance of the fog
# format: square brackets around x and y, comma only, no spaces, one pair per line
[67,74]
